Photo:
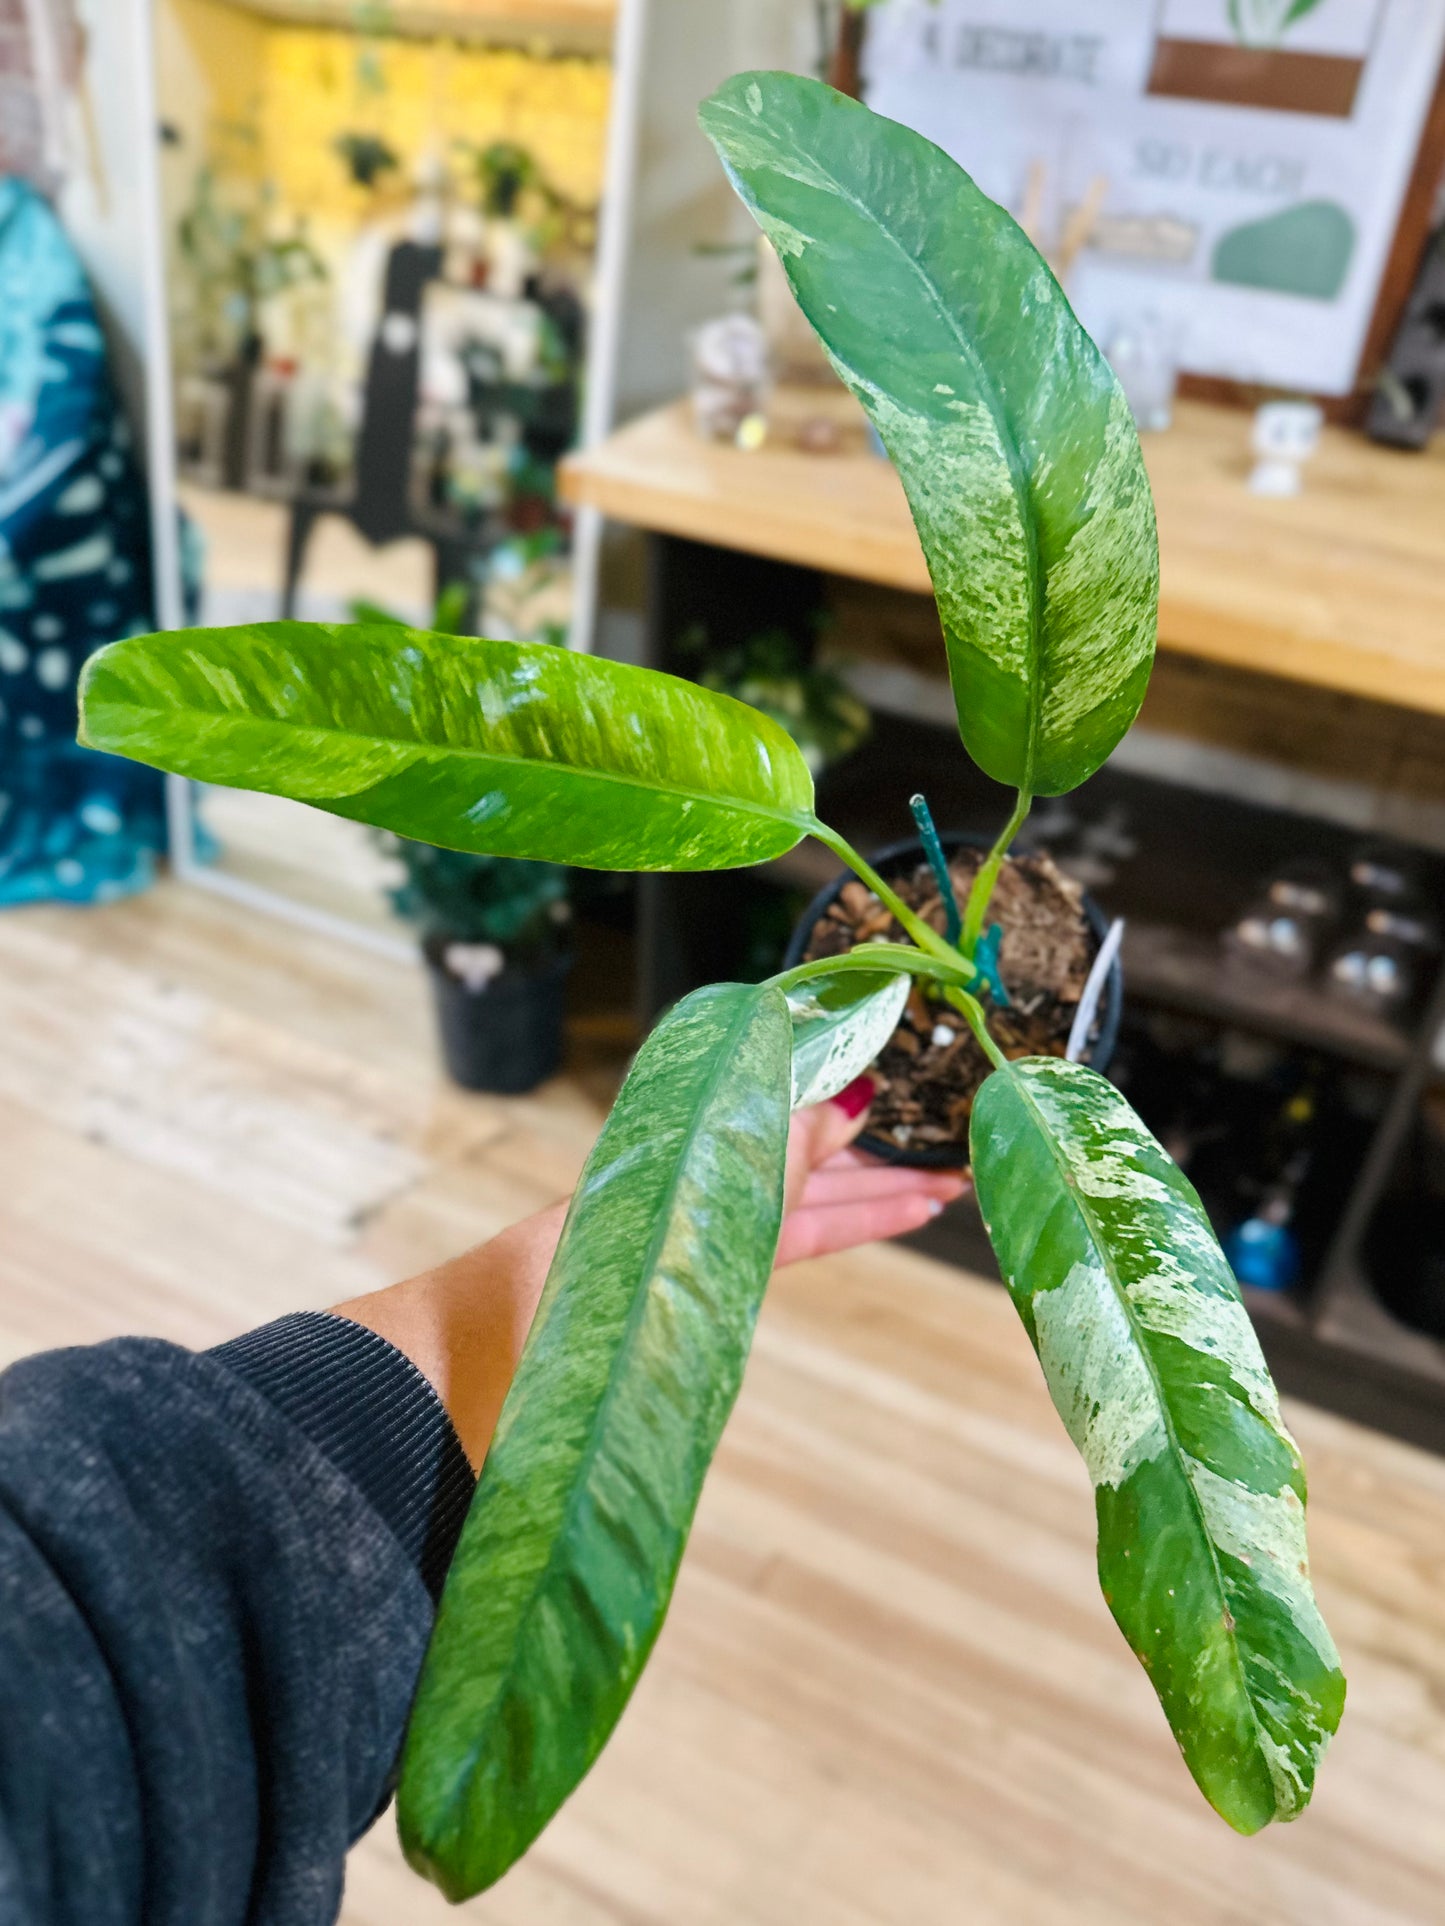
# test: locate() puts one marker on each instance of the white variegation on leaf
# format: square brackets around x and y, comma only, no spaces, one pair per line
[840,1023]
[501,748]
[571,1549]
[1012,437]
[1155,1368]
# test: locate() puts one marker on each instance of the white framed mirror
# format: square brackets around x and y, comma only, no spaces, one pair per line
[378,266]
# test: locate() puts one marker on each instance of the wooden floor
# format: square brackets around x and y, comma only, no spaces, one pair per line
[888,1693]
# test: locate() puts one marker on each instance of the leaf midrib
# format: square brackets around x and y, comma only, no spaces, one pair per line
[745,805]
[1100,1243]
[1018,475]
[722,1061]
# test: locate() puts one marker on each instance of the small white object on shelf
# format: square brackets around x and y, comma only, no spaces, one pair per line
[731,380]
[1285,435]
[1143,353]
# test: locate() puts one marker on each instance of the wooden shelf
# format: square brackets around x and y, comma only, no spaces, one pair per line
[842,513]
[1188,972]
[1341,587]
[1275,1307]
[1357,1321]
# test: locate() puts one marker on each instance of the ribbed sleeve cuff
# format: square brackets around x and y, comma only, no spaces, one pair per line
[367,1407]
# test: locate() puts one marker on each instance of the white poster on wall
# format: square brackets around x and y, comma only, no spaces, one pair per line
[1248,158]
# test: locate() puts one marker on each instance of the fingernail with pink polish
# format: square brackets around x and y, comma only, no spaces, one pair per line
[856,1098]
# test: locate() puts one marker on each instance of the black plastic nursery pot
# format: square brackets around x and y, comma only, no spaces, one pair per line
[902,859]
[506,1037]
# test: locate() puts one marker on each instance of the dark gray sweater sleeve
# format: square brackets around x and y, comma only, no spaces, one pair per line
[217,1575]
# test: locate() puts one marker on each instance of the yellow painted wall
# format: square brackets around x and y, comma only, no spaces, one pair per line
[210,69]
[432,94]
[298,88]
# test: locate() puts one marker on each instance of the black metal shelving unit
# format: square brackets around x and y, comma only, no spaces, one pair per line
[1184,865]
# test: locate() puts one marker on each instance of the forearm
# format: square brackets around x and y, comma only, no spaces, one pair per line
[463,1325]
[222,1566]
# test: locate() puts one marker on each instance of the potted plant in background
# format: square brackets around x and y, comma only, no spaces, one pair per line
[771,673]
[234,263]
[1021,462]
[367,157]
[495,932]
[522,210]
[775,672]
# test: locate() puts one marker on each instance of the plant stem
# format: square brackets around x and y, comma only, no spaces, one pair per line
[922,933]
[981,894]
[942,962]
[896,959]
[978,1023]
[938,863]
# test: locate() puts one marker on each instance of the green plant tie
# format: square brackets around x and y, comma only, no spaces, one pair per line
[985,961]
[938,863]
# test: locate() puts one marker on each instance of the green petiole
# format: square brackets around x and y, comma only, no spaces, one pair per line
[876,958]
[973,1011]
[981,894]
[934,958]
[926,937]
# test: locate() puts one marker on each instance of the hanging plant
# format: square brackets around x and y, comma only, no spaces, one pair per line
[367,157]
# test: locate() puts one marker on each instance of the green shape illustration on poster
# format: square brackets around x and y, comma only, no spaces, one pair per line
[1263,23]
[1303,250]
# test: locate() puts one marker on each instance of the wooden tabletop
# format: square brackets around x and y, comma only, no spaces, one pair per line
[1342,587]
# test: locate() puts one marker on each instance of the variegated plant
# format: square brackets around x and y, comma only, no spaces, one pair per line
[1025,478]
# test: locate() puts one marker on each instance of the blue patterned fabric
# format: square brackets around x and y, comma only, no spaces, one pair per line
[74,573]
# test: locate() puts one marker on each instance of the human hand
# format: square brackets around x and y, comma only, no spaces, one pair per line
[836,1197]
[464,1324]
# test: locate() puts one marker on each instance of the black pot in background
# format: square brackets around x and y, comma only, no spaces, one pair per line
[901,859]
[507,1037]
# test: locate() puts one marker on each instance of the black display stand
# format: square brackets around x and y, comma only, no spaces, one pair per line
[380,504]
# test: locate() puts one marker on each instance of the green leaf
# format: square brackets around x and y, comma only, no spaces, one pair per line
[504,748]
[844,1009]
[840,1023]
[1156,1371]
[569,1554]
[1013,439]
